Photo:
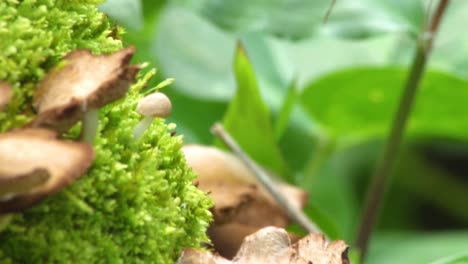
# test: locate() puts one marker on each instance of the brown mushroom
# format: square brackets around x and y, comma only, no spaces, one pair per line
[75,89]
[34,164]
[5,95]
[151,106]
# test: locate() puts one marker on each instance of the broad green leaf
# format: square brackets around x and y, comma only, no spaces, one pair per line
[284,113]
[324,221]
[430,183]
[196,54]
[360,103]
[200,57]
[286,18]
[194,117]
[331,190]
[248,117]
[360,19]
[417,248]
[299,19]
[459,258]
[127,12]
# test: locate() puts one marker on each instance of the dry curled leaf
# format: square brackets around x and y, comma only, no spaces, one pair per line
[5,95]
[272,245]
[227,238]
[34,164]
[241,205]
[83,82]
[237,195]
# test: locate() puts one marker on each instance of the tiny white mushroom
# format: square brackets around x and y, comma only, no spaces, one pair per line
[154,105]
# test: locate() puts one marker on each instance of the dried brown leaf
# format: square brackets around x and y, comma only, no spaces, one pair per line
[229,199]
[83,83]
[34,164]
[272,245]
[241,205]
[237,195]
[228,238]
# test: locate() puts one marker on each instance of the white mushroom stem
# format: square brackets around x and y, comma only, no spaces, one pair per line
[142,126]
[90,126]
[153,105]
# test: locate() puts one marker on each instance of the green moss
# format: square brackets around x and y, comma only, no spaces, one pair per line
[137,204]
[35,34]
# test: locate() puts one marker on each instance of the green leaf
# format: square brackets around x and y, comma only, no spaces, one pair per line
[367,18]
[248,117]
[453,259]
[284,114]
[203,68]
[324,221]
[127,12]
[359,103]
[299,19]
[286,18]
[417,248]
[194,117]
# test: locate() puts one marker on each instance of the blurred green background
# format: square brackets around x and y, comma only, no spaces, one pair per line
[313,101]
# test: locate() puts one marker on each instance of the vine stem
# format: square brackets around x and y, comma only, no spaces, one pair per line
[387,160]
[294,213]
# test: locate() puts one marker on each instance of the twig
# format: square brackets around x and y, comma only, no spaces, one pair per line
[329,10]
[387,160]
[294,213]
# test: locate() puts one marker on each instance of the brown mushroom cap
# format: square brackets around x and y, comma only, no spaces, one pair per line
[35,165]
[5,94]
[82,83]
[155,105]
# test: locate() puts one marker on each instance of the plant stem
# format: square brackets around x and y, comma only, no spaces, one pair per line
[388,158]
[294,213]
[328,13]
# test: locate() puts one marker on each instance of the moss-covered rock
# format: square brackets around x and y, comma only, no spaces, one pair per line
[137,204]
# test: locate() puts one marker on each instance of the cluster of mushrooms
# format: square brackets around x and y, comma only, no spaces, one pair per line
[34,161]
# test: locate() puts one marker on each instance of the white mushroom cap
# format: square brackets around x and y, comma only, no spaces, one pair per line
[34,164]
[5,95]
[155,105]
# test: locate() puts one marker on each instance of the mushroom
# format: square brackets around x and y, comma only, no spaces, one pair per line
[34,164]
[75,89]
[154,105]
[5,95]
